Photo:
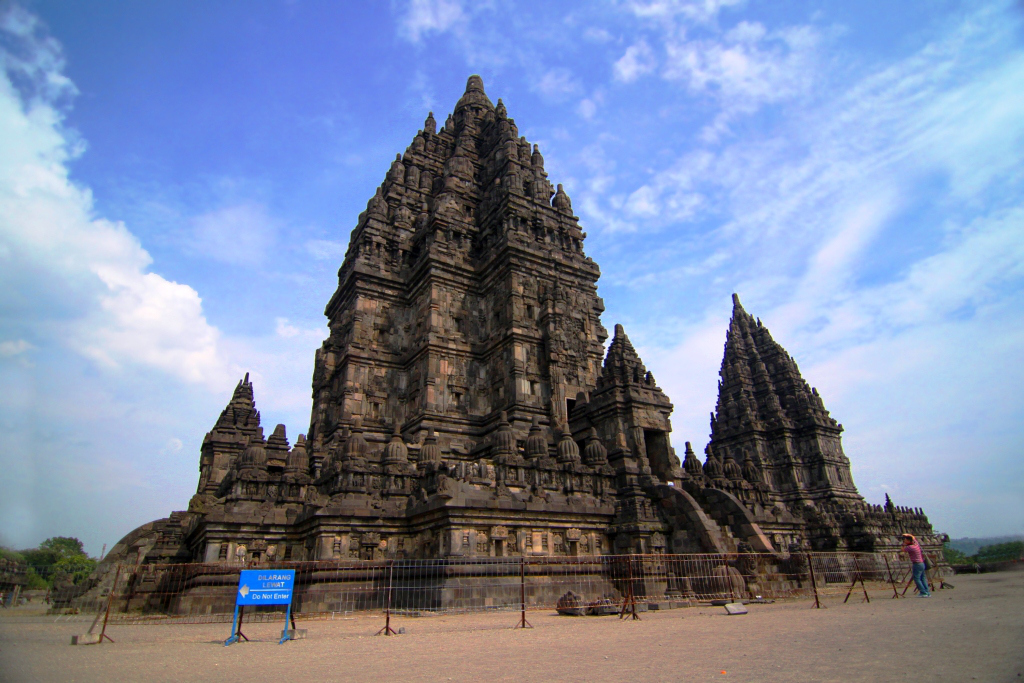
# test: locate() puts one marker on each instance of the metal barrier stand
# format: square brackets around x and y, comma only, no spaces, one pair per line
[814,583]
[387,630]
[523,623]
[236,626]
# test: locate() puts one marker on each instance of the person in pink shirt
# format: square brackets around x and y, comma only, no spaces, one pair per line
[917,565]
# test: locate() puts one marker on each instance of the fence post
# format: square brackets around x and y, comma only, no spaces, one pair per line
[629,600]
[88,638]
[814,583]
[387,630]
[523,623]
[892,580]
[857,576]
[728,577]
[110,598]
[910,581]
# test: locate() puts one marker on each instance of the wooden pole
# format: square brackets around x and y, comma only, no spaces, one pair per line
[814,583]
[523,623]
[629,601]
[892,580]
[387,630]
[110,598]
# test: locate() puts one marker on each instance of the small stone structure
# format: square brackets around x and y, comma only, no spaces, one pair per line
[13,578]
[464,407]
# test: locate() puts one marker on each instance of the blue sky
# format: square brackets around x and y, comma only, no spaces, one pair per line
[178,182]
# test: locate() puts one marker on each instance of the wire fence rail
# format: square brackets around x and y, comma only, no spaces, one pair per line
[586,585]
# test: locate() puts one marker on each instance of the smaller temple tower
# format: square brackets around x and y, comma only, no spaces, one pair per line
[626,400]
[769,416]
[238,422]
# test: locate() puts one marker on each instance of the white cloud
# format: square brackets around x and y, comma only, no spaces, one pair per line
[14,348]
[597,35]
[700,11]
[421,92]
[638,60]
[557,84]
[587,108]
[326,250]
[283,329]
[690,370]
[746,68]
[979,262]
[429,16]
[643,202]
[17,350]
[830,267]
[144,318]
[35,61]
[173,445]
[876,141]
[286,330]
[87,277]
[243,234]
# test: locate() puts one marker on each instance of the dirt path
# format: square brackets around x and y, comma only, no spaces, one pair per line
[975,632]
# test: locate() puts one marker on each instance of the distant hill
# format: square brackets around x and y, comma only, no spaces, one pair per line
[969,546]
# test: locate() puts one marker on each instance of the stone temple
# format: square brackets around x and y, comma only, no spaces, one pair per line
[464,404]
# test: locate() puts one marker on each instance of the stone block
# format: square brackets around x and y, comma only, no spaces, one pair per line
[735,608]
[86,639]
[296,633]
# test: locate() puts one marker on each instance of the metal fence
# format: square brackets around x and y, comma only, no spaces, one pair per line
[196,593]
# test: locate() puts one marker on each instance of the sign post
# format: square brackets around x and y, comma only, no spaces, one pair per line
[263,587]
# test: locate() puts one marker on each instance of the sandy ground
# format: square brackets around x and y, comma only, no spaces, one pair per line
[975,632]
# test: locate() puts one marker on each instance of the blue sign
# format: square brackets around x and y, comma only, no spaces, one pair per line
[265,587]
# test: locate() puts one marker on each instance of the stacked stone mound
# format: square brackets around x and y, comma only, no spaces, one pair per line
[463,405]
[571,605]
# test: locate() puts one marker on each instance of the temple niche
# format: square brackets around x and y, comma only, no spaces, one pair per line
[464,404]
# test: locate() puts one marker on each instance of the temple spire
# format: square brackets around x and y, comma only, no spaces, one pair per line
[474,95]
[622,363]
[764,399]
[243,395]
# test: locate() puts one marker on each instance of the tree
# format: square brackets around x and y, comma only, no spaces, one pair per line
[11,555]
[63,546]
[34,582]
[954,556]
[1001,552]
[77,568]
[41,561]
[59,557]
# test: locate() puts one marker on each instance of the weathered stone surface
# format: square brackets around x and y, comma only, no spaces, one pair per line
[571,605]
[735,608]
[463,405]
